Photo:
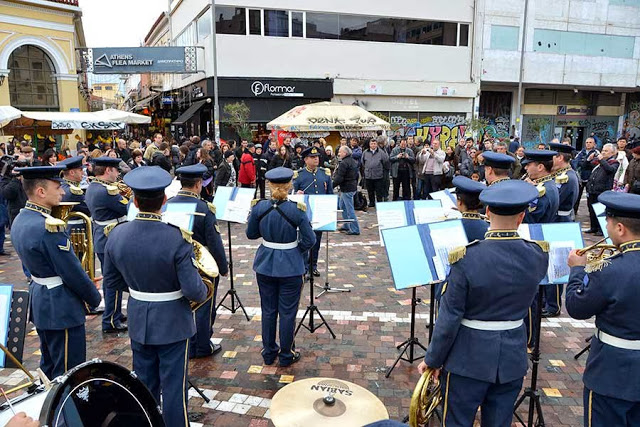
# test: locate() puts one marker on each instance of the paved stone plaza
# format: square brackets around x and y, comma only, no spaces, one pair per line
[368,322]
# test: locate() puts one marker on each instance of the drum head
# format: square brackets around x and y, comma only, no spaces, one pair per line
[100,394]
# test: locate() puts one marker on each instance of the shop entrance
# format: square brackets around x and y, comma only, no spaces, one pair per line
[576,133]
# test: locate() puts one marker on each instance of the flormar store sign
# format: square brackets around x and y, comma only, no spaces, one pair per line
[238,87]
[258,88]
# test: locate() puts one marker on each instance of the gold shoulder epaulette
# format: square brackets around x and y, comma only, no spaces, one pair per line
[186,235]
[212,207]
[254,202]
[295,174]
[75,190]
[327,171]
[112,190]
[563,178]
[541,190]
[302,206]
[457,254]
[54,225]
[544,245]
[596,265]
[109,228]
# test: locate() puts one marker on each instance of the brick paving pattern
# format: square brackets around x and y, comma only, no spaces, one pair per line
[368,322]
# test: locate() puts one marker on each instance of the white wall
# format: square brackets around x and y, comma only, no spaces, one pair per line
[598,16]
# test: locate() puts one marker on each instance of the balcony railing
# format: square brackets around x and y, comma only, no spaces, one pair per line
[69,2]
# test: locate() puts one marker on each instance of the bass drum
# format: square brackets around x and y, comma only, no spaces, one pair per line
[94,393]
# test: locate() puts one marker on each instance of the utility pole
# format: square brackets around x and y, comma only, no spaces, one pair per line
[216,105]
[522,51]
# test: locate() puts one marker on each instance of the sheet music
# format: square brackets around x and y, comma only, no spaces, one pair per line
[237,212]
[390,219]
[173,188]
[524,232]
[179,219]
[428,215]
[323,213]
[298,198]
[444,240]
[558,254]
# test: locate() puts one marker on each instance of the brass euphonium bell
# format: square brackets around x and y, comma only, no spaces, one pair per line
[63,210]
[425,399]
[124,189]
[208,269]
[81,241]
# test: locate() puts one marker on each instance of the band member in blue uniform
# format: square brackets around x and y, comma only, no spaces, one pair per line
[480,345]
[543,210]
[107,207]
[72,176]
[206,232]
[608,290]
[313,180]
[59,286]
[279,264]
[156,262]
[468,202]
[497,167]
[568,185]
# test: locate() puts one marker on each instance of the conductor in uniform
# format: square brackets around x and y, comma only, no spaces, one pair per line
[568,185]
[468,203]
[478,346]
[156,262]
[608,290]
[59,286]
[543,210]
[279,264]
[206,232]
[108,207]
[313,180]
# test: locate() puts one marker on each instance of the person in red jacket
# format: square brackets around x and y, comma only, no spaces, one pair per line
[247,173]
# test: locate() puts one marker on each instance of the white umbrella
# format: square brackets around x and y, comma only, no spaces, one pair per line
[328,116]
[8,113]
[123,116]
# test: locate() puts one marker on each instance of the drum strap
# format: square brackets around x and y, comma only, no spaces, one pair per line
[277,209]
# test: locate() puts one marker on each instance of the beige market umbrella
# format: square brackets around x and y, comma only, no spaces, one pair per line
[327,116]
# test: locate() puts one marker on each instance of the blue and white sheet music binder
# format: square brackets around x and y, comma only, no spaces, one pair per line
[419,254]
[178,214]
[599,209]
[407,212]
[233,204]
[562,237]
[5,310]
[449,202]
[322,210]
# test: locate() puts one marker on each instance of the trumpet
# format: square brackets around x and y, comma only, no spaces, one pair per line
[124,189]
[598,250]
[425,399]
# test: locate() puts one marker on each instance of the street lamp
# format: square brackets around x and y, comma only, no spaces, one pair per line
[216,105]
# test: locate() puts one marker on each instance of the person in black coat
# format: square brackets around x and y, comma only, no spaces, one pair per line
[226,171]
[262,165]
[281,159]
[14,194]
[601,180]
[346,177]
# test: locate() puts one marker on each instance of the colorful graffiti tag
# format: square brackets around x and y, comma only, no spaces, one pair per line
[631,126]
[447,128]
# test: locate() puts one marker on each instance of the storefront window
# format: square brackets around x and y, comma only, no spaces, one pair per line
[255,24]
[32,83]
[231,20]
[276,23]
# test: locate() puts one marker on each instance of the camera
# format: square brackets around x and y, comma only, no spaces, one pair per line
[8,163]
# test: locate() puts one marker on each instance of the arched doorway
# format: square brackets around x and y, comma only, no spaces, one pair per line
[32,81]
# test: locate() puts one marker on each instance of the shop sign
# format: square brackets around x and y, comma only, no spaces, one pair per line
[139,60]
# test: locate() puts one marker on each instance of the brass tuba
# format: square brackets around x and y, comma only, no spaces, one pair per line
[425,399]
[81,241]
[208,269]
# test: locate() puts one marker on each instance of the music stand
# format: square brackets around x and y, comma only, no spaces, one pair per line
[312,308]
[231,292]
[327,288]
[585,349]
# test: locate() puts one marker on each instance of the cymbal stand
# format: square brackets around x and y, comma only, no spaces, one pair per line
[535,406]
[232,293]
[327,288]
[584,350]
[311,308]
[409,344]
[195,387]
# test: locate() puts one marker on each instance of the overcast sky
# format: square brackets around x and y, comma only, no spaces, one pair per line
[119,23]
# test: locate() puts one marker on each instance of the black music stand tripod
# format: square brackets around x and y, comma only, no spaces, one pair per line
[232,293]
[408,346]
[312,307]
[535,406]
[327,288]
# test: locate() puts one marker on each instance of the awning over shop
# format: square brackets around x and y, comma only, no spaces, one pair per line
[145,102]
[190,112]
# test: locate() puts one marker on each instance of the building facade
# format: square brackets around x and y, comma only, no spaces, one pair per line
[409,64]
[38,39]
[579,74]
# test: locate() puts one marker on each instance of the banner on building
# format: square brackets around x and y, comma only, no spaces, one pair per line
[86,125]
[141,60]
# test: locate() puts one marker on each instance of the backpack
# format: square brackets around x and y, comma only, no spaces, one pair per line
[360,202]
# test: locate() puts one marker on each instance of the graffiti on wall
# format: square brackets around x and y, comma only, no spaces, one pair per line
[631,127]
[536,129]
[495,107]
[447,128]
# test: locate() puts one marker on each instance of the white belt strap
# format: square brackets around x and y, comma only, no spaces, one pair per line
[111,221]
[155,296]
[281,246]
[565,213]
[75,222]
[617,342]
[498,325]
[49,282]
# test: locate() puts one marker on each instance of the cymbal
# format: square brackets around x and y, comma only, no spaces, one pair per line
[325,402]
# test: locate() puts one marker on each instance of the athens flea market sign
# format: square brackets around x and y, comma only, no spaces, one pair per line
[139,60]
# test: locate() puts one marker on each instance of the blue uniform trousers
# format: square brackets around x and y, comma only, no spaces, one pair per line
[315,250]
[603,411]
[461,397]
[552,298]
[164,368]
[530,321]
[112,315]
[62,349]
[200,343]
[279,296]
